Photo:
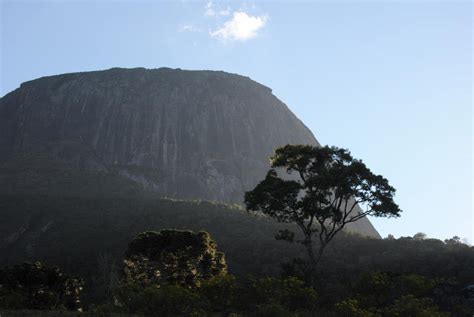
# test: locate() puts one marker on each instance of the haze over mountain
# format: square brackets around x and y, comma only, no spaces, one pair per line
[181,134]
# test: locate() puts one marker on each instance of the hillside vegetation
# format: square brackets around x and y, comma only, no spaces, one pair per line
[74,233]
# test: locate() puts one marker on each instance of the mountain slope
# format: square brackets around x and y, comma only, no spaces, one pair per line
[182,134]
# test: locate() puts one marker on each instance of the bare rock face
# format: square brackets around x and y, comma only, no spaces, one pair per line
[184,134]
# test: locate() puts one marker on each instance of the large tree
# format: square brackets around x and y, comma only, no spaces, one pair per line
[320,195]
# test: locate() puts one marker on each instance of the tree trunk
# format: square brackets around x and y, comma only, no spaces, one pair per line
[313,261]
[313,258]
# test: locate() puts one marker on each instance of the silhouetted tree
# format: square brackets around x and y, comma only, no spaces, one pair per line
[453,241]
[321,195]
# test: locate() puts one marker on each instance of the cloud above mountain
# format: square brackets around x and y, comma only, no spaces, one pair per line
[211,10]
[241,27]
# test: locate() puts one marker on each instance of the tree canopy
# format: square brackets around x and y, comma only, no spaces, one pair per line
[173,257]
[320,194]
[37,286]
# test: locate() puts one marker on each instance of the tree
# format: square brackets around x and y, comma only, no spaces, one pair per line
[419,236]
[453,241]
[321,194]
[36,286]
[172,257]
[108,275]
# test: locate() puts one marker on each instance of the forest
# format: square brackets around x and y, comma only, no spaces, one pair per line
[151,256]
[88,239]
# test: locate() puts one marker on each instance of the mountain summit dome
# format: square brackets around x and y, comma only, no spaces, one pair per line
[183,134]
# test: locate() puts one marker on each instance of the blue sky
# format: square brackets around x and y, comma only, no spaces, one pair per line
[390,80]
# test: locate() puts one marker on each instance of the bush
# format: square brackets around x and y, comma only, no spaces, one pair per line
[222,295]
[410,306]
[381,289]
[391,295]
[350,308]
[220,292]
[272,310]
[169,300]
[36,286]
[290,293]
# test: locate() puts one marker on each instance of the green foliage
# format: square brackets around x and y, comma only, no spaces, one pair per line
[351,308]
[380,289]
[272,310]
[290,293]
[73,233]
[392,295]
[173,257]
[166,263]
[262,296]
[221,295]
[168,300]
[221,292]
[411,306]
[329,177]
[36,286]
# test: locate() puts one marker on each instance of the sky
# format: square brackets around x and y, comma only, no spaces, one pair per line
[389,80]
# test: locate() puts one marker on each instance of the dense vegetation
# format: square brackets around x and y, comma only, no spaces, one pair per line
[36,286]
[88,237]
[83,223]
[172,257]
[373,293]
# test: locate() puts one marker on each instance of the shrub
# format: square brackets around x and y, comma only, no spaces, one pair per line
[36,286]
[169,300]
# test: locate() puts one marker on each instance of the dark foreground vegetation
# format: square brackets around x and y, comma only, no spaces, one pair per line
[158,279]
[111,263]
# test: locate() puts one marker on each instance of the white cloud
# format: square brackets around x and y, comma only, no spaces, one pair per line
[241,27]
[188,28]
[225,12]
[212,11]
